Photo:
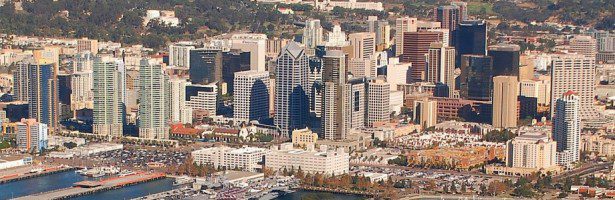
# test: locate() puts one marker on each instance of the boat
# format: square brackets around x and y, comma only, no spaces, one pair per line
[37,170]
[126,173]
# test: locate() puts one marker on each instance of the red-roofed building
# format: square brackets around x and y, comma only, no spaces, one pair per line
[179,131]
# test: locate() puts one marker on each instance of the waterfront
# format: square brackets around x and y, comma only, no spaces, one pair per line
[39,184]
[66,179]
[312,195]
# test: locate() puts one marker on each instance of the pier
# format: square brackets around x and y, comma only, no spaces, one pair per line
[89,187]
[26,172]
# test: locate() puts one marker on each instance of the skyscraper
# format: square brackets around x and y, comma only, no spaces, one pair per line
[251,96]
[334,116]
[206,65]
[441,66]
[312,33]
[291,100]
[505,92]
[449,17]
[471,38]
[337,37]
[202,99]
[109,88]
[402,25]
[567,128]
[378,91]
[574,73]
[43,91]
[234,61]
[81,96]
[476,77]
[356,100]
[363,44]
[20,81]
[382,30]
[425,113]
[179,55]
[180,112]
[505,59]
[416,45]
[154,101]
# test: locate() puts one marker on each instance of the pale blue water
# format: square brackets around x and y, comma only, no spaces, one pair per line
[133,191]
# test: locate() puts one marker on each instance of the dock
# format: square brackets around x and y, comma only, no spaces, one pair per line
[30,171]
[89,187]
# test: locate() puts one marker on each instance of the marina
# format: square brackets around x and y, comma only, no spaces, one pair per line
[26,172]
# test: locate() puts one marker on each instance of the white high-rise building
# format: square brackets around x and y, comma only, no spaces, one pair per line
[577,73]
[531,151]
[109,90]
[312,33]
[81,95]
[291,87]
[567,128]
[356,102]
[179,55]
[154,101]
[337,38]
[180,112]
[251,95]
[440,62]
[404,24]
[378,91]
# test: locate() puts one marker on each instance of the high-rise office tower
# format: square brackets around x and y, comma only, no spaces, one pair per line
[505,93]
[232,62]
[291,100]
[179,55]
[312,33]
[539,89]
[20,81]
[363,44]
[449,17]
[337,37]
[567,128]
[505,59]
[32,136]
[82,95]
[425,112]
[416,45]
[584,45]
[43,94]
[574,73]
[315,81]
[82,62]
[206,65]
[154,101]
[441,66]
[202,99]
[471,38]
[254,43]
[64,89]
[334,116]
[180,112]
[476,77]
[402,25]
[251,96]
[382,30]
[378,91]
[356,101]
[109,88]
[397,73]
[463,9]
